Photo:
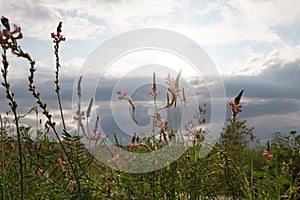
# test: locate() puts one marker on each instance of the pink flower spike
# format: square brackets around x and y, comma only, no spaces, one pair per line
[266,153]
[230,104]
[154,92]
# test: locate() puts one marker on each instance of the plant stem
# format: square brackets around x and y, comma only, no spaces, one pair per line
[57,87]
[13,105]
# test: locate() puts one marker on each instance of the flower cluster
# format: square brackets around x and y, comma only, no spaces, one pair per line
[154,92]
[235,106]
[129,161]
[173,84]
[133,146]
[95,135]
[7,34]
[159,122]
[269,157]
[58,36]
[123,96]
[81,116]
[189,130]
[114,159]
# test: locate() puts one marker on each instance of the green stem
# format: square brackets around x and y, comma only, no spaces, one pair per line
[42,105]
[57,89]
[13,105]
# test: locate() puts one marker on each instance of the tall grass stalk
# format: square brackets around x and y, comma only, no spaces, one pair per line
[13,105]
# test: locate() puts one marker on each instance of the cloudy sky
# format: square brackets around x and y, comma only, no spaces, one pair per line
[254,45]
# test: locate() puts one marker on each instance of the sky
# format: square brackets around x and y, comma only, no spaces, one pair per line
[254,45]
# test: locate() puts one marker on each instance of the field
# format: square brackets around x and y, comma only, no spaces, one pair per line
[64,168]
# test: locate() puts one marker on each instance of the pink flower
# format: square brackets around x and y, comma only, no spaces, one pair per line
[46,175]
[123,95]
[81,116]
[160,123]
[41,171]
[266,153]
[189,129]
[269,157]
[57,36]
[14,35]
[130,161]
[114,159]
[235,108]
[95,135]
[133,146]
[154,92]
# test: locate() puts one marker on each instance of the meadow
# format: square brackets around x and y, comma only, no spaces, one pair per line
[62,167]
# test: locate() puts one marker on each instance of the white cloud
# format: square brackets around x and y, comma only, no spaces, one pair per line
[38,20]
[237,20]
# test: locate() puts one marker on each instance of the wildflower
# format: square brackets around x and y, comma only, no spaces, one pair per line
[58,36]
[114,159]
[133,146]
[13,35]
[160,123]
[40,171]
[189,129]
[266,153]
[46,175]
[235,106]
[130,161]
[123,95]
[95,135]
[81,116]
[154,92]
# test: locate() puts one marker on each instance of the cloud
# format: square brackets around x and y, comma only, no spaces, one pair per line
[271,97]
[38,20]
[276,75]
[234,21]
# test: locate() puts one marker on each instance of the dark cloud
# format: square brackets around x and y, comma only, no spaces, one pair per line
[273,92]
[277,81]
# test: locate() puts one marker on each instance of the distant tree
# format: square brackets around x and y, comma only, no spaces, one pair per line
[237,135]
